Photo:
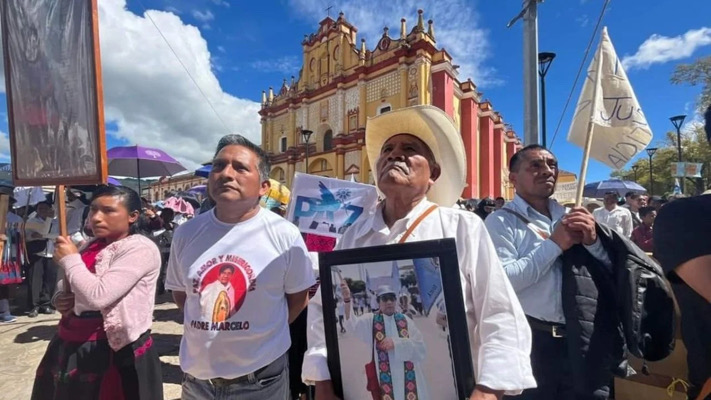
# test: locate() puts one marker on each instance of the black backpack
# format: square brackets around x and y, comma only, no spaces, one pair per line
[645,300]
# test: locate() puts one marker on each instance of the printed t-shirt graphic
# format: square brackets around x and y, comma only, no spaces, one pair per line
[222,290]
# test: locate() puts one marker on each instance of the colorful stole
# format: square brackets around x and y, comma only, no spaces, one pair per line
[384,372]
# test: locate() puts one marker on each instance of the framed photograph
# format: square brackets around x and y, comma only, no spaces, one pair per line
[54,94]
[387,332]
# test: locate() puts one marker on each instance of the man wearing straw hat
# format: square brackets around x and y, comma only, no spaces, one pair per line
[418,161]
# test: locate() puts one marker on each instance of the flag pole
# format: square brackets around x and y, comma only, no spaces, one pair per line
[589,137]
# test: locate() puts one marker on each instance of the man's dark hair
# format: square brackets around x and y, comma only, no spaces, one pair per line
[226,267]
[633,196]
[500,198]
[46,203]
[629,194]
[263,166]
[644,211]
[518,156]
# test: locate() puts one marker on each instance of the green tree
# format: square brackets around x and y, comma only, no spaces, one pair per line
[695,148]
[696,73]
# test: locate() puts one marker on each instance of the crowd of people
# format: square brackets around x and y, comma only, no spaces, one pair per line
[631,216]
[536,280]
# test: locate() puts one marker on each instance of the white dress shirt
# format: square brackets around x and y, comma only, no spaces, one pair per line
[75,214]
[619,219]
[49,230]
[500,338]
[532,263]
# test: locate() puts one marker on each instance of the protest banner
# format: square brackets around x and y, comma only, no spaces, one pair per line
[327,206]
[686,169]
[54,94]
[608,105]
[565,191]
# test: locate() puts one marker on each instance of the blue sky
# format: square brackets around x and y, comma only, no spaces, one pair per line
[235,49]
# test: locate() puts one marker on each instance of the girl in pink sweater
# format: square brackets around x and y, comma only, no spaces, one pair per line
[103,348]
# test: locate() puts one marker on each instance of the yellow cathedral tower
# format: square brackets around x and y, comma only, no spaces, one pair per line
[342,82]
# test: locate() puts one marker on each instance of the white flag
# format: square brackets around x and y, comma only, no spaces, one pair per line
[620,128]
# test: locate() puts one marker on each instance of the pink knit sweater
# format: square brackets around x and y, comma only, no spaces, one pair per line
[123,288]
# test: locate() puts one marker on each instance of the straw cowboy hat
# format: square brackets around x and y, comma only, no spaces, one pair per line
[438,132]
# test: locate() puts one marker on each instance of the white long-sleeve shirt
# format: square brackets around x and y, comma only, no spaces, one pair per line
[500,338]
[619,219]
[532,263]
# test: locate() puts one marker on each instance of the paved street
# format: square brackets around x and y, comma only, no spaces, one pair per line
[23,343]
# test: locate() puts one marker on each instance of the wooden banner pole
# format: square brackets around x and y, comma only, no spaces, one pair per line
[589,137]
[60,201]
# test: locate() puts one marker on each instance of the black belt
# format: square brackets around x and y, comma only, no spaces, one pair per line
[556,330]
[222,382]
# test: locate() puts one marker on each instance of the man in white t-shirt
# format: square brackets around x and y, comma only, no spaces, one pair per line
[240,273]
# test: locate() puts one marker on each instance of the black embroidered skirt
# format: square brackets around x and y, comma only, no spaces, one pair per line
[79,364]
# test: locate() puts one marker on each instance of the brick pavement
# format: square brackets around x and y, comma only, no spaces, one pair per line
[22,345]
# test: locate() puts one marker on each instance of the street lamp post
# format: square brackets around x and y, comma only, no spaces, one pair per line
[678,121]
[650,153]
[305,136]
[544,62]
[635,168]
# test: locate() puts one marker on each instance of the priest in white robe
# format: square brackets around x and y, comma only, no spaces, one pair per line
[402,343]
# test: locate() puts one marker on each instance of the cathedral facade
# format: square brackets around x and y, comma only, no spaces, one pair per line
[342,82]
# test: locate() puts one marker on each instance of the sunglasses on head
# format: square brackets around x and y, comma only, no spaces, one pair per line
[388,297]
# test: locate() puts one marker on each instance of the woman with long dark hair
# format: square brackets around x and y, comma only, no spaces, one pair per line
[103,348]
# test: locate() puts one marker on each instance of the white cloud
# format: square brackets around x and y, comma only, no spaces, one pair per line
[173,10]
[283,65]
[203,16]
[659,49]
[583,20]
[151,99]
[222,3]
[457,27]
[693,124]
[221,49]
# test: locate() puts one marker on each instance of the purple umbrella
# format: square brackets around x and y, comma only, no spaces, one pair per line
[199,189]
[141,162]
[113,181]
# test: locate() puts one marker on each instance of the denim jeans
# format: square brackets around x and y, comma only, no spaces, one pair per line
[271,383]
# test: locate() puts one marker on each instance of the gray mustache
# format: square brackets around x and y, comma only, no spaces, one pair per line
[401,165]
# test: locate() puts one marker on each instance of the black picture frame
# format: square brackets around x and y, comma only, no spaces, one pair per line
[458,336]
